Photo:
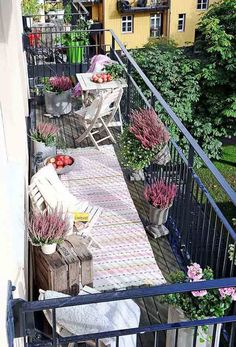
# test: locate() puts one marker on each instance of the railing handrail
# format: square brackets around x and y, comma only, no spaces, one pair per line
[127,294]
[220,179]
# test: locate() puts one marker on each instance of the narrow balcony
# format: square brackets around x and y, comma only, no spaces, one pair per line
[198,230]
[125,7]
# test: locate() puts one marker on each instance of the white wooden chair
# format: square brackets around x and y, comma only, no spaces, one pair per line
[97,117]
[47,191]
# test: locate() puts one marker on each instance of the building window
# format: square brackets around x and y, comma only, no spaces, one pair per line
[202,4]
[181,22]
[127,24]
[155,25]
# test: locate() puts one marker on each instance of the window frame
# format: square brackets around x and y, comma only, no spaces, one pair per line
[157,19]
[183,21]
[126,22]
[202,5]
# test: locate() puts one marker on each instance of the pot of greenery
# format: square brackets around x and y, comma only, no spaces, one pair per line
[47,229]
[30,11]
[76,40]
[58,96]
[142,140]
[195,305]
[160,197]
[45,138]
[115,70]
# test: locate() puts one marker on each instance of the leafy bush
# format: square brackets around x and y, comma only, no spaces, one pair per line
[142,139]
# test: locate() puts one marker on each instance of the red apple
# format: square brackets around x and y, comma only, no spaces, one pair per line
[70,161]
[59,163]
[59,167]
[52,160]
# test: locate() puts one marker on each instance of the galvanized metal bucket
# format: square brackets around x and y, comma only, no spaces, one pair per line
[58,104]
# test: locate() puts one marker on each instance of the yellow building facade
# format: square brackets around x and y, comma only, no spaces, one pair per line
[135,25]
[192,10]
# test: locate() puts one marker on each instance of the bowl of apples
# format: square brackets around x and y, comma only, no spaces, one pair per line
[62,163]
[101,78]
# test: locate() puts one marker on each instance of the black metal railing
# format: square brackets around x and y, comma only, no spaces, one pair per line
[25,313]
[199,230]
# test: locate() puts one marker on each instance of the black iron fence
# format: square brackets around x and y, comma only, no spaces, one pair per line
[199,230]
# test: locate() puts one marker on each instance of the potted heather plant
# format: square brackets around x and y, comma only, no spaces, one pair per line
[58,96]
[47,229]
[144,140]
[45,138]
[160,197]
[195,305]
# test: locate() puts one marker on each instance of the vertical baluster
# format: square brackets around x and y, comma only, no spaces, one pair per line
[195,337]
[117,341]
[54,331]
[176,337]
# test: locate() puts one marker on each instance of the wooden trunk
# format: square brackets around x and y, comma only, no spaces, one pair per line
[65,270]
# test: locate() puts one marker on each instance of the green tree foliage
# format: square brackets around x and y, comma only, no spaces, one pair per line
[217,46]
[175,76]
[201,88]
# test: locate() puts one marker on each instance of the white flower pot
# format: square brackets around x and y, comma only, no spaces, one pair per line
[45,150]
[186,336]
[163,157]
[49,249]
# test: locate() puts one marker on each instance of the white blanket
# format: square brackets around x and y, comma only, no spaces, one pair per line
[94,318]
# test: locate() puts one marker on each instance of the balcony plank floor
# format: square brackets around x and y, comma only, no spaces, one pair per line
[152,311]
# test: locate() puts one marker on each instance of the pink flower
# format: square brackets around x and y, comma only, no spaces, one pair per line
[228,292]
[199,293]
[195,272]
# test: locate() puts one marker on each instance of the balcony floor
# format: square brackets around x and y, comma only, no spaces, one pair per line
[152,310]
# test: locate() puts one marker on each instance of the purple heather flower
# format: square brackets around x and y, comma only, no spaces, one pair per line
[195,272]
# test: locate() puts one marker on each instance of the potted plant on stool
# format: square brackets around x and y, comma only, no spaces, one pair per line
[142,140]
[195,305]
[45,138]
[160,197]
[58,96]
[47,229]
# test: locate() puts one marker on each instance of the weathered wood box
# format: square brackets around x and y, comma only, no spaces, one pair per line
[65,270]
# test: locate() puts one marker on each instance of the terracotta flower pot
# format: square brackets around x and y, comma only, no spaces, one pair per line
[49,249]
[186,336]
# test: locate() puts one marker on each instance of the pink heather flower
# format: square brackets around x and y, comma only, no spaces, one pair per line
[195,272]
[60,83]
[148,128]
[159,194]
[199,293]
[228,292]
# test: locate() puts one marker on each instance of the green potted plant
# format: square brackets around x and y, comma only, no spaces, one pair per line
[143,140]
[115,70]
[47,229]
[76,40]
[160,197]
[58,96]
[195,305]
[45,138]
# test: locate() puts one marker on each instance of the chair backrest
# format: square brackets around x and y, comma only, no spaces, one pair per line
[110,103]
[46,190]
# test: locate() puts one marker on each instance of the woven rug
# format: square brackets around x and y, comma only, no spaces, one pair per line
[126,258]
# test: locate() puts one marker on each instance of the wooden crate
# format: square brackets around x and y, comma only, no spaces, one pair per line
[65,270]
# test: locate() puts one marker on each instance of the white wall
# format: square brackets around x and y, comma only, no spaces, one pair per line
[13,156]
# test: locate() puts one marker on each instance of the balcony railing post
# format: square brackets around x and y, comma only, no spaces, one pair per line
[127,111]
[188,202]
